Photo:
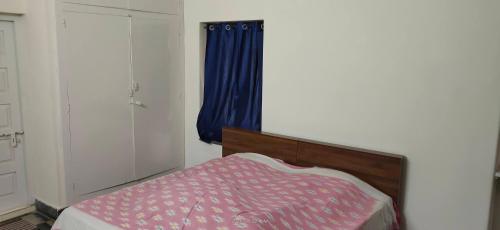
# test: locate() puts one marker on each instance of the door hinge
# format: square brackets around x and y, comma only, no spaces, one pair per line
[65,24]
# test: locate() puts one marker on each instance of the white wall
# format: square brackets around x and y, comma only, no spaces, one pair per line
[39,101]
[419,78]
[13,6]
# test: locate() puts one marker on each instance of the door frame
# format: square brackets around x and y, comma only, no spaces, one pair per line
[19,38]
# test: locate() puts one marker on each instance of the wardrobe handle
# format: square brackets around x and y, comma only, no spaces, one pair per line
[138,103]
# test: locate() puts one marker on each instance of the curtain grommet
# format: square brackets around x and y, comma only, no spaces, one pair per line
[244,26]
[262,26]
[228,27]
[211,27]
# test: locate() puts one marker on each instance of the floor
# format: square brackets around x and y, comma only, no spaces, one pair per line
[31,221]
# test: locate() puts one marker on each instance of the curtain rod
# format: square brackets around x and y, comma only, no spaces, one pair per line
[206,24]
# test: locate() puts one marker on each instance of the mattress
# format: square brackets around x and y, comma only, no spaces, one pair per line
[241,191]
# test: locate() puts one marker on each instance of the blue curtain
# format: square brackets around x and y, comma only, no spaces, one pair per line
[233,79]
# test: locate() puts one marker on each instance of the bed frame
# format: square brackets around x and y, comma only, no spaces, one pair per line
[383,171]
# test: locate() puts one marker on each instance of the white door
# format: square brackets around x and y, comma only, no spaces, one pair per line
[158,127]
[13,192]
[97,68]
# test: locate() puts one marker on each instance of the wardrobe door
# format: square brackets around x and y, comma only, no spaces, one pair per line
[96,64]
[160,6]
[123,4]
[158,113]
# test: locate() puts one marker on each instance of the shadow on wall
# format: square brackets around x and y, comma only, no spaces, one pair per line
[495,199]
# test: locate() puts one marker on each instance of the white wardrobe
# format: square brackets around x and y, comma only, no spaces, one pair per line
[122,85]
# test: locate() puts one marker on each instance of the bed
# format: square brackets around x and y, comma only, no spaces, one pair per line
[264,181]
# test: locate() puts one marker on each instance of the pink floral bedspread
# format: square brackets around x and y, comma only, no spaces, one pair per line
[234,193]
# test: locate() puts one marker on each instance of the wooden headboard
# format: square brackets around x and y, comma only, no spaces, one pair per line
[381,170]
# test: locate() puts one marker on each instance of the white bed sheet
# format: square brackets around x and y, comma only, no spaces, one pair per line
[383,215]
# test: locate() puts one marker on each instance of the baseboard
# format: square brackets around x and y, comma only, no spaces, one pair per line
[47,210]
[16,213]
